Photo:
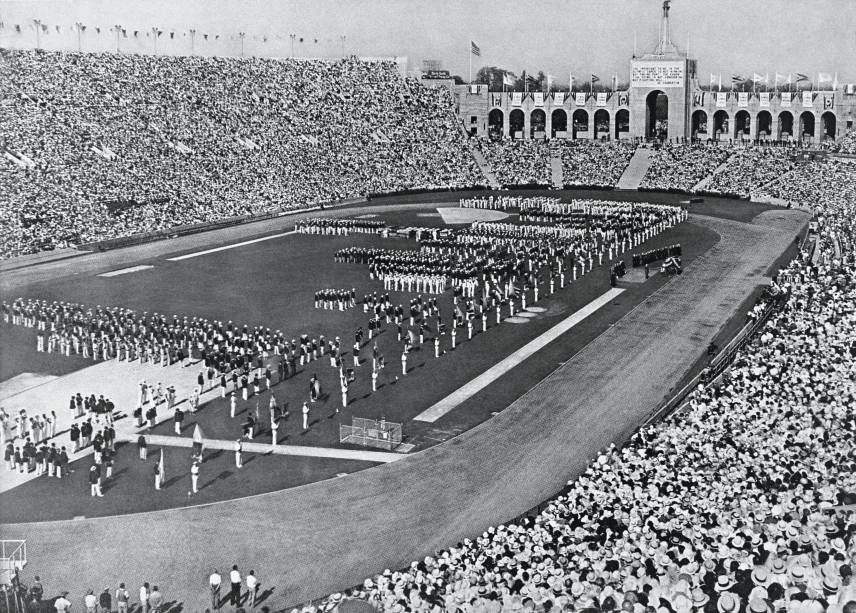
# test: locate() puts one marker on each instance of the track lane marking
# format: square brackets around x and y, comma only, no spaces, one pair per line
[466,391]
[125,271]
[197,254]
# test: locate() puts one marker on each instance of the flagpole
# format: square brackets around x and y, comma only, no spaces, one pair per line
[471,62]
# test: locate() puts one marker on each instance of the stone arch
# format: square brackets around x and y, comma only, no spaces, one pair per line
[657,115]
[807,127]
[580,120]
[601,123]
[720,124]
[786,125]
[828,125]
[516,120]
[558,121]
[495,124]
[742,124]
[763,125]
[699,124]
[622,122]
[537,122]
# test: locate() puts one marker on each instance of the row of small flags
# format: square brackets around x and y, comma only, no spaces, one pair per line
[789,79]
[45,29]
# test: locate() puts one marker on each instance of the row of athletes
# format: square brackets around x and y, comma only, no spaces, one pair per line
[342,226]
[506,203]
[330,299]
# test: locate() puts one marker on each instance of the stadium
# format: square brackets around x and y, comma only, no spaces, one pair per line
[341,334]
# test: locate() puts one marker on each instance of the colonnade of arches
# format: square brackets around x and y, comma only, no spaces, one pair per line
[805,125]
[580,123]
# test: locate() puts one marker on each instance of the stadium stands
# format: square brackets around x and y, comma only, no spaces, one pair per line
[749,169]
[98,146]
[732,504]
[519,162]
[593,164]
[681,167]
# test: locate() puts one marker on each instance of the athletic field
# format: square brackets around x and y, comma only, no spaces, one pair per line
[512,413]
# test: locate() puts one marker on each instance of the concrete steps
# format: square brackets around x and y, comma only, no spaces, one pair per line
[632,176]
[486,169]
[706,181]
[556,168]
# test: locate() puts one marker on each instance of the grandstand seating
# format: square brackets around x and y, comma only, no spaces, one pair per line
[194,139]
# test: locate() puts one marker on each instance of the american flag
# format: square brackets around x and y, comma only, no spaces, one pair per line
[474,48]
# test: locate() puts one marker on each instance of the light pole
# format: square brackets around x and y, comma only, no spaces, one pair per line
[192,40]
[292,37]
[118,29]
[38,24]
[241,35]
[342,40]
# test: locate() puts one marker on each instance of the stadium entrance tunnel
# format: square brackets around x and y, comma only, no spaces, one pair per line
[720,124]
[581,121]
[517,120]
[742,124]
[559,122]
[786,124]
[495,124]
[765,124]
[657,115]
[537,123]
[601,123]
[828,124]
[699,124]
[622,122]
[807,125]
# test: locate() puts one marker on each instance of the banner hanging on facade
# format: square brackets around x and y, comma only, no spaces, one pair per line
[698,99]
[786,100]
[601,98]
[580,98]
[538,97]
[559,98]
[516,98]
[764,100]
[807,99]
[721,99]
[623,99]
[743,99]
[828,102]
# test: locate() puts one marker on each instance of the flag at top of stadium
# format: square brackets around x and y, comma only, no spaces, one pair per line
[474,48]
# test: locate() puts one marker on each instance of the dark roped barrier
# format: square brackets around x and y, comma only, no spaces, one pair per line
[429,190]
[640,259]
[594,188]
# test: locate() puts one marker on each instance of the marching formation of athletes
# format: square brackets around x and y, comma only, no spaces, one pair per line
[332,299]
[494,271]
[339,226]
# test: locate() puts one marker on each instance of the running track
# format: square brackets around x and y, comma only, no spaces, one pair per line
[319,538]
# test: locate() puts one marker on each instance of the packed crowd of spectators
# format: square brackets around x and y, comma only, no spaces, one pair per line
[732,505]
[98,146]
[847,144]
[594,164]
[748,169]
[519,162]
[681,167]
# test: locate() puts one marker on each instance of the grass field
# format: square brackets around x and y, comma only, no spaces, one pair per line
[271,283]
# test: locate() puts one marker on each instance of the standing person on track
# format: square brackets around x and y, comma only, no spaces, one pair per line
[214,583]
[235,592]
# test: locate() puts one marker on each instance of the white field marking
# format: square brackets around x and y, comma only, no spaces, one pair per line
[187,256]
[436,411]
[125,271]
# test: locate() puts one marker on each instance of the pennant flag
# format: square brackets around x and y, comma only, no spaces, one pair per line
[161,469]
[756,78]
[736,78]
[801,77]
[507,79]
[197,434]
[474,49]
[595,78]
[824,77]
[712,79]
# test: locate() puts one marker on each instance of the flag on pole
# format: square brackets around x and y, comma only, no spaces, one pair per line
[507,79]
[757,78]
[474,49]
[720,81]
[801,77]
[824,77]
[835,81]
[712,79]
[571,81]
[595,78]
[549,82]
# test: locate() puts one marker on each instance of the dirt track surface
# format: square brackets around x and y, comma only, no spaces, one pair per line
[320,538]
